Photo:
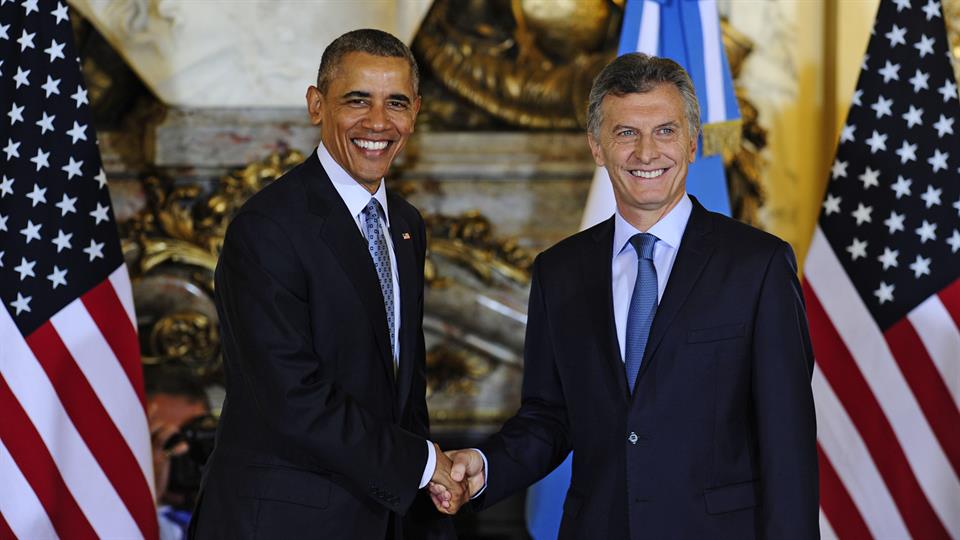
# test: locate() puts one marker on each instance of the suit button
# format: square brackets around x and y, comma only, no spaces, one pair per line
[633,437]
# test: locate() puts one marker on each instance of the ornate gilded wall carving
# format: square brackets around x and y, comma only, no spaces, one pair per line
[171,248]
[518,63]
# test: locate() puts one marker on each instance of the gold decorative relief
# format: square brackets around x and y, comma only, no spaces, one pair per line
[171,248]
[455,370]
[526,63]
[190,336]
[468,241]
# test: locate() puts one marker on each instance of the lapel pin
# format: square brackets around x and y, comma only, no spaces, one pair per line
[406,236]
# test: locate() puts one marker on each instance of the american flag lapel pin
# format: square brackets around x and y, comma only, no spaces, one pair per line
[406,236]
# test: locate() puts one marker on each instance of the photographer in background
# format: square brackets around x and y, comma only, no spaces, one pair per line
[176,401]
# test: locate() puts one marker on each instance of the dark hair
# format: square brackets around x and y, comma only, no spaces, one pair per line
[366,40]
[638,73]
[173,380]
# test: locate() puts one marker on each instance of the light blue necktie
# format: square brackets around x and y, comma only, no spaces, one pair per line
[643,306]
[377,243]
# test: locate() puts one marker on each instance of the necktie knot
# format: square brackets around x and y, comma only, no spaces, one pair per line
[643,243]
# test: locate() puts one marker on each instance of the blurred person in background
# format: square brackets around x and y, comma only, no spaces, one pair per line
[175,399]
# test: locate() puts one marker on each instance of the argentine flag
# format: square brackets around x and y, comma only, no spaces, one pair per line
[687,32]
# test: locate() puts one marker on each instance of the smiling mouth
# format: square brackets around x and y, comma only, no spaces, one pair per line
[648,174]
[368,144]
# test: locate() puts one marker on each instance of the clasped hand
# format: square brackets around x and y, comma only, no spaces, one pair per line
[458,477]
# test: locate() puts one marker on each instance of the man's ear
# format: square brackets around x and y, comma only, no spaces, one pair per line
[595,150]
[315,105]
[693,149]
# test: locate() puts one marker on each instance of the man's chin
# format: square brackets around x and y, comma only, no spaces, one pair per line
[368,177]
[370,171]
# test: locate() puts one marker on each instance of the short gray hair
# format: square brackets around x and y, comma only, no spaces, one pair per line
[365,40]
[638,73]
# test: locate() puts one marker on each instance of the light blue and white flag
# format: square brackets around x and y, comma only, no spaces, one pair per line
[688,32]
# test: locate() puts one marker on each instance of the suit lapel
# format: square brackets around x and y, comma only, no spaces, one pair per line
[598,299]
[339,231]
[695,251]
[407,269]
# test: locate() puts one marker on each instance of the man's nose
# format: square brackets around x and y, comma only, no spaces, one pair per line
[645,149]
[376,118]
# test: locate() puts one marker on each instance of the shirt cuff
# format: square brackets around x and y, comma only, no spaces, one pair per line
[431,465]
[486,472]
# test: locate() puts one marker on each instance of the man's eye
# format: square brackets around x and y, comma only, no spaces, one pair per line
[666,131]
[626,133]
[357,102]
[398,105]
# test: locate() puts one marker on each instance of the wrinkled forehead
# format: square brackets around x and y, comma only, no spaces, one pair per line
[661,104]
[360,71]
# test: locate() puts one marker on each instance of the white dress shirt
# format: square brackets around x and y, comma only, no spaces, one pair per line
[356,198]
[669,231]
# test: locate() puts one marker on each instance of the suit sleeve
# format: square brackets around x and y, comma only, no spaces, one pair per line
[786,422]
[264,308]
[536,440]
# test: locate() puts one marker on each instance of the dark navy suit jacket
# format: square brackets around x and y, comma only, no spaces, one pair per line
[318,437]
[718,439]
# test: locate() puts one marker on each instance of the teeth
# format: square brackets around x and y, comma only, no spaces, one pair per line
[370,145]
[648,174]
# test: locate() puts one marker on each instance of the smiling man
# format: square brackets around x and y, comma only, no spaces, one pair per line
[320,296]
[667,347]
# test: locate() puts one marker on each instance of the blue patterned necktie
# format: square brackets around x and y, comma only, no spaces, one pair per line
[377,243]
[643,305]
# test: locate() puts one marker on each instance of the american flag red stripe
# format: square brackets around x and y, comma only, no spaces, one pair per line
[950,297]
[5,530]
[848,456]
[840,369]
[933,324]
[35,462]
[93,423]
[20,504]
[927,385]
[108,313]
[835,501]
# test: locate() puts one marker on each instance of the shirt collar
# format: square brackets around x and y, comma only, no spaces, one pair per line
[668,230]
[353,194]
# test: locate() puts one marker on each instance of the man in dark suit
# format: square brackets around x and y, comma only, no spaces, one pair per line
[667,347]
[320,297]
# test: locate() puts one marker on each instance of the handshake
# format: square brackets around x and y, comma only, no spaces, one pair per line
[458,477]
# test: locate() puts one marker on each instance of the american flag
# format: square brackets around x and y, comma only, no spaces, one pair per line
[75,458]
[883,295]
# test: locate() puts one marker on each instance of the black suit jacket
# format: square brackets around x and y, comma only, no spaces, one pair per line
[719,437]
[318,437]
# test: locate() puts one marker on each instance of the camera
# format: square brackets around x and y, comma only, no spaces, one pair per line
[186,469]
